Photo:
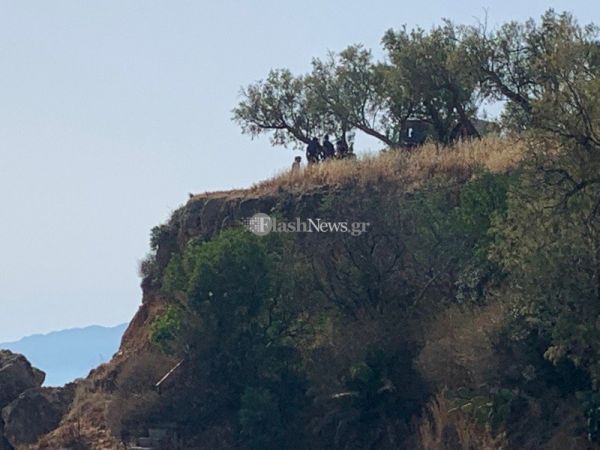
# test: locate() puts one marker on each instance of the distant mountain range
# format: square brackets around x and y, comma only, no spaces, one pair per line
[69,354]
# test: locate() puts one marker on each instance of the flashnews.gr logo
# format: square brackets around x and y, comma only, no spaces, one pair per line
[262,224]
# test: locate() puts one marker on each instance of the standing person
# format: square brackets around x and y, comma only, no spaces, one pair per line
[312,151]
[341,149]
[296,165]
[328,150]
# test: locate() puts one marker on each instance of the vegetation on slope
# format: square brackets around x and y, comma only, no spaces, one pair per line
[457,317]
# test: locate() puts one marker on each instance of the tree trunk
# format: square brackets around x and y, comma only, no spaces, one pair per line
[466,122]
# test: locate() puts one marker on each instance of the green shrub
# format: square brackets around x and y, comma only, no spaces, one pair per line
[260,420]
[157,235]
[548,245]
[229,316]
[167,328]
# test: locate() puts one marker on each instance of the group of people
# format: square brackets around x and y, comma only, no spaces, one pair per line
[316,151]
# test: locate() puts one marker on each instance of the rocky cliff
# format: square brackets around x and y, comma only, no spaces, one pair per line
[28,411]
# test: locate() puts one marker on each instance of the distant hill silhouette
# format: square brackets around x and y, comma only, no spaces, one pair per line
[69,354]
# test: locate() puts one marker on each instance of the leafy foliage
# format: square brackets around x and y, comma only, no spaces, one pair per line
[545,71]
[260,419]
[550,248]
[228,314]
[426,80]
[281,104]
[167,327]
[432,67]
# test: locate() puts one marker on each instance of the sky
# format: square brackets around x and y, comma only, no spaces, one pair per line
[111,112]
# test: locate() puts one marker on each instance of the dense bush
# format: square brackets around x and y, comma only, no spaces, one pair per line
[229,320]
[550,244]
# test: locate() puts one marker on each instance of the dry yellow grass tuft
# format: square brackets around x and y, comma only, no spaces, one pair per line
[442,428]
[408,167]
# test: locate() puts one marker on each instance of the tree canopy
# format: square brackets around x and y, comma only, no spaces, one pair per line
[439,78]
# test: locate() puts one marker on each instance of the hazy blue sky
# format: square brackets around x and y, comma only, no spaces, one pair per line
[112,111]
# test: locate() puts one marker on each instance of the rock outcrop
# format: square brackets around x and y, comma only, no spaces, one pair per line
[27,410]
[34,413]
[16,376]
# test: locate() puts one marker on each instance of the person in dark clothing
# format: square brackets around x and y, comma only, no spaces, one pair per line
[328,152]
[341,149]
[312,151]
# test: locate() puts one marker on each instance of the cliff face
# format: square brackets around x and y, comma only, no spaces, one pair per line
[202,218]
[302,196]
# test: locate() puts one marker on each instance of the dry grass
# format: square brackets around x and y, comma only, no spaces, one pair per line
[441,429]
[410,168]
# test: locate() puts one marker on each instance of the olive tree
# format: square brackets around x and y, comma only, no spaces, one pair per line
[279,106]
[433,68]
